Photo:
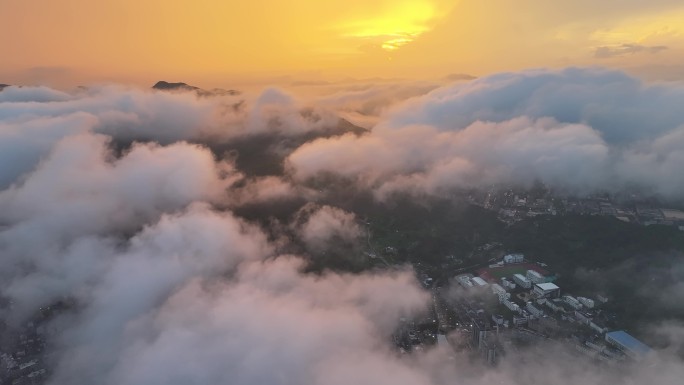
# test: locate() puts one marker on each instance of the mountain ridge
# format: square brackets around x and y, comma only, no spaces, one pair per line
[163,85]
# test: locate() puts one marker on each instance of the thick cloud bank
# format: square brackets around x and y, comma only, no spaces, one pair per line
[34,119]
[576,129]
[121,205]
[162,284]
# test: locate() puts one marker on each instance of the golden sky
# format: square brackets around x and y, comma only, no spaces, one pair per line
[213,41]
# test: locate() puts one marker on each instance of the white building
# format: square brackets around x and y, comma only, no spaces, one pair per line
[572,301]
[534,310]
[553,305]
[477,281]
[442,340]
[535,277]
[500,292]
[512,306]
[673,215]
[464,280]
[522,281]
[508,284]
[546,290]
[514,258]
[598,327]
[589,303]
[497,289]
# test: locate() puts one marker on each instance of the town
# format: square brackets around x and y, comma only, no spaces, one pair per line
[512,303]
[485,302]
[513,206]
[23,358]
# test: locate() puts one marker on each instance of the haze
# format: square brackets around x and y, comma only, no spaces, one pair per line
[221,43]
[356,192]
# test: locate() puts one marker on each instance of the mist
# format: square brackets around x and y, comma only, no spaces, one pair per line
[578,130]
[178,232]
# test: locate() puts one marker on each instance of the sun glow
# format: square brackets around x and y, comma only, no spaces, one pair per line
[71,42]
[394,44]
[393,28]
[643,29]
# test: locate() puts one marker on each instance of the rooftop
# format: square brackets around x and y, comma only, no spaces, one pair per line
[629,342]
[547,286]
[676,215]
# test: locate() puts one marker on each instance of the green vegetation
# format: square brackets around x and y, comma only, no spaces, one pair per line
[507,271]
[633,265]
[437,235]
[591,242]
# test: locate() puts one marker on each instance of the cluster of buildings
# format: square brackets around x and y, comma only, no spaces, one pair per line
[513,206]
[21,360]
[660,216]
[22,348]
[644,214]
[468,281]
[531,305]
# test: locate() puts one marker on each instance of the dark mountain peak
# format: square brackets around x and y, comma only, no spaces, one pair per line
[184,87]
[2,86]
[166,86]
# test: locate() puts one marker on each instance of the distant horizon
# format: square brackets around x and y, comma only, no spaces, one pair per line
[206,42]
[328,192]
[298,82]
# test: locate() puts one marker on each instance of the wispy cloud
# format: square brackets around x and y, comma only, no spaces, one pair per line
[606,52]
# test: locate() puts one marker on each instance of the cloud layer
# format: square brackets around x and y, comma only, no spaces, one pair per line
[574,129]
[157,273]
[123,203]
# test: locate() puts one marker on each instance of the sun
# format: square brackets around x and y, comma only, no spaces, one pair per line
[394,27]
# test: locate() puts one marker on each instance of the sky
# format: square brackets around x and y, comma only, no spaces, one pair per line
[219,43]
[182,225]
[184,265]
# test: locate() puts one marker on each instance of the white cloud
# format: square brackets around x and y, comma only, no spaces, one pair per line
[575,129]
[170,287]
